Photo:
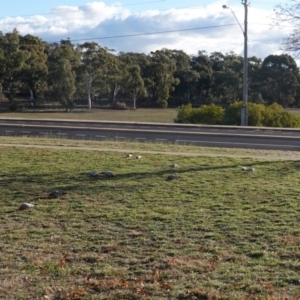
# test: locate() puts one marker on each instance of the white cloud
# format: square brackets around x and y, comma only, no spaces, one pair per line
[96,19]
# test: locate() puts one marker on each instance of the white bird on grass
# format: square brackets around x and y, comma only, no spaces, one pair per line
[129,155]
[173,165]
[25,206]
[138,157]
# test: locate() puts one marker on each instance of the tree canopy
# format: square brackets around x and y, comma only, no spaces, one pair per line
[65,72]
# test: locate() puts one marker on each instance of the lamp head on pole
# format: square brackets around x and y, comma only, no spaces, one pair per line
[225,6]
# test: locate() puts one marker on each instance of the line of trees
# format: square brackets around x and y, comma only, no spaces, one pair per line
[64,72]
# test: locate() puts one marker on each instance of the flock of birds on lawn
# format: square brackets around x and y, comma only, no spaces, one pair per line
[107,174]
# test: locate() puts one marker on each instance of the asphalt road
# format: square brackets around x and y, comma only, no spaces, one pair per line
[216,136]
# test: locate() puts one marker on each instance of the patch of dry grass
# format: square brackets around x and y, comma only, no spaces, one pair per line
[140,115]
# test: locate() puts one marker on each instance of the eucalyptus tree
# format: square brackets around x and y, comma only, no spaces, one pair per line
[57,53]
[289,12]
[65,49]
[12,60]
[35,70]
[254,66]
[187,76]
[227,77]
[95,70]
[144,62]
[135,86]
[279,79]
[203,86]
[162,68]
[64,86]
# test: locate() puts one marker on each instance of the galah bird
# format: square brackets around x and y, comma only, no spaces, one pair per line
[108,174]
[171,177]
[93,174]
[25,206]
[55,194]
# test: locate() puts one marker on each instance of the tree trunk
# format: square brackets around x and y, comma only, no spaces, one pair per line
[32,101]
[89,88]
[116,89]
[89,101]
[11,96]
[134,102]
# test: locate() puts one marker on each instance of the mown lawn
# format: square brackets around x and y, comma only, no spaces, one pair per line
[140,115]
[215,232]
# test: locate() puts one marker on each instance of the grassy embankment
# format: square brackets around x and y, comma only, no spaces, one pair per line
[140,115]
[215,231]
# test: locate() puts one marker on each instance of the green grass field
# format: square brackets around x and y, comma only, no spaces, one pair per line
[215,232]
[140,115]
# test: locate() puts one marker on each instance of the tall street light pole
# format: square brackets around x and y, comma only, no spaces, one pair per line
[244,112]
[244,121]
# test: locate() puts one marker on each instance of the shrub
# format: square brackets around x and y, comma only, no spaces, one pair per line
[206,114]
[289,120]
[232,114]
[163,103]
[275,116]
[120,106]
[255,114]
[184,113]
[258,115]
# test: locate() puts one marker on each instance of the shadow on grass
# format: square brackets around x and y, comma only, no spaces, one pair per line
[44,183]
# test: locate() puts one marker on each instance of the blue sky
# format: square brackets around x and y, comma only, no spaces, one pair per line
[80,20]
[21,7]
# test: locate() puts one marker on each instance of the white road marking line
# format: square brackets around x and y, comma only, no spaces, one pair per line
[8,131]
[120,137]
[100,136]
[140,138]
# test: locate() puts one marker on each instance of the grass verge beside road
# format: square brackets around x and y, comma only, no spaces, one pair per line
[215,232]
[140,115]
[144,147]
